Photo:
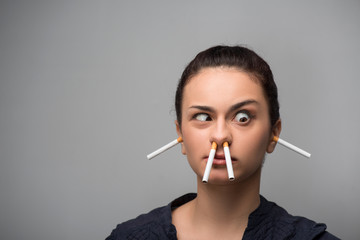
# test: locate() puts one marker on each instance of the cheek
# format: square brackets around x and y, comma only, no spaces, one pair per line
[195,145]
[193,140]
[191,150]
[254,144]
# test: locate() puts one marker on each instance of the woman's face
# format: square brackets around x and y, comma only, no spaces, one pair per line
[225,105]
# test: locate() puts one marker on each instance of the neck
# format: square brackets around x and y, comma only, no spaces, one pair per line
[218,211]
[224,205]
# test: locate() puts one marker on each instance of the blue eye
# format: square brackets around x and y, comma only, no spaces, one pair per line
[202,117]
[242,117]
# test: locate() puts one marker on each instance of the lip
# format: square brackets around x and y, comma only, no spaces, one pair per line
[219,159]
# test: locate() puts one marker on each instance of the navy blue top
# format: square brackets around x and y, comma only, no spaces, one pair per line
[268,221]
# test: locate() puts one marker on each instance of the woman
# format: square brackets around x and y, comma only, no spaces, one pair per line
[226,94]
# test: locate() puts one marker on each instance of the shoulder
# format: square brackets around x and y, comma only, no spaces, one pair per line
[146,226]
[278,223]
[156,224]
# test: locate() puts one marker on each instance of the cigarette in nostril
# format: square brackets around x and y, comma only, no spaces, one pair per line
[164,148]
[292,147]
[209,162]
[228,161]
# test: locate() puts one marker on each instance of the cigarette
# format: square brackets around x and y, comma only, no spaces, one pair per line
[164,148]
[228,161]
[209,162]
[292,147]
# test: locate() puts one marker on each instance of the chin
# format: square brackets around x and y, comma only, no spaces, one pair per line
[219,178]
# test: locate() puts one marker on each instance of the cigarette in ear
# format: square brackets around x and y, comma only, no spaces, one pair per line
[209,162]
[228,161]
[164,148]
[292,147]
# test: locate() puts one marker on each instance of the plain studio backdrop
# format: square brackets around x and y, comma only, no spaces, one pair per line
[87,91]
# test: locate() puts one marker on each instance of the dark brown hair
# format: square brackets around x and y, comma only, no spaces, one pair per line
[238,57]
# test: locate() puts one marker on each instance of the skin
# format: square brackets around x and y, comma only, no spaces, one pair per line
[223,104]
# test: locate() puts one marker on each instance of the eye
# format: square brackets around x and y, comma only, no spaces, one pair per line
[202,117]
[242,117]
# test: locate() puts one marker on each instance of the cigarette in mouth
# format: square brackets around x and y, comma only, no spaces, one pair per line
[164,148]
[292,147]
[209,162]
[228,161]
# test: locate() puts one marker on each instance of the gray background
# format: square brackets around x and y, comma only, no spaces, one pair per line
[87,90]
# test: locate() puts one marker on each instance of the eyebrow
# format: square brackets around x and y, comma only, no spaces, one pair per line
[242,104]
[232,108]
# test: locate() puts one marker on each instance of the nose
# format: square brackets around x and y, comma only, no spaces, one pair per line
[220,132]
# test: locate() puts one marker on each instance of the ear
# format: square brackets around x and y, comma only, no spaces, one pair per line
[179,133]
[275,131]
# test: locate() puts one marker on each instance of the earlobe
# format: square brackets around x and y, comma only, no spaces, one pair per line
[178,130]
[275,132]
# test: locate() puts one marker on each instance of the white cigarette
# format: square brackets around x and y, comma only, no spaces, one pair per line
[164,148]
[228,161]
[209,162]
[292,147]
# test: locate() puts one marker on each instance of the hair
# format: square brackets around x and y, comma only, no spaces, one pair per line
[237,57]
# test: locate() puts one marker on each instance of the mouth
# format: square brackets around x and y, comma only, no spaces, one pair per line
[219,160]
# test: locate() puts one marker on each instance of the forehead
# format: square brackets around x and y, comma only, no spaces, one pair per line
[222,84]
